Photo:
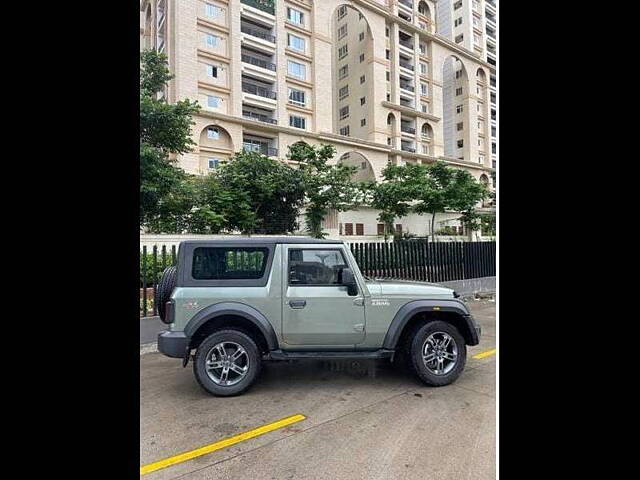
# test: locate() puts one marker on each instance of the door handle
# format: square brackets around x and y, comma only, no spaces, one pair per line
[297,303]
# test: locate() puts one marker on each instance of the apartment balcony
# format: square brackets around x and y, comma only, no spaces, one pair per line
[408,87]
[407,65]
[406,3]
[258,90]
[406,44]
[261,148]
[260,117]
[258,62]
[407,129]
[491,32]
[257,32]
[476,6]
[407,103]
[407,147]
[267,6]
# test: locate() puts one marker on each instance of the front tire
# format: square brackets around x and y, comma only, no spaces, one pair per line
[437,353]
[227,363]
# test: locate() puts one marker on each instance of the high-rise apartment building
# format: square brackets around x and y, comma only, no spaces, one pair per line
[472,25]
[374,78]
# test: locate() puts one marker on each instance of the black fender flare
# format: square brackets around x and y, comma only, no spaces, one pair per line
[409,309]
[233,308]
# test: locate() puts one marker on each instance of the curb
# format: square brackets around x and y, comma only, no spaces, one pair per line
[148,348]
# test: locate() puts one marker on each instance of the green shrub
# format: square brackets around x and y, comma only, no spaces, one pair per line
[153,274]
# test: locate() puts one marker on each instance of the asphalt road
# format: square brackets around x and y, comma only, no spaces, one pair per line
[150,327]
[364,422]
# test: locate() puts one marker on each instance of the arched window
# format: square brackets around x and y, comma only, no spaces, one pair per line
[423,9]
[427,131]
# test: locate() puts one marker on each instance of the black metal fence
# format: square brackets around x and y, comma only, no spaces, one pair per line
[152,264]
[407,260]
[426,261]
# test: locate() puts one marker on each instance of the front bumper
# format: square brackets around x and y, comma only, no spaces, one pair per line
[173,344]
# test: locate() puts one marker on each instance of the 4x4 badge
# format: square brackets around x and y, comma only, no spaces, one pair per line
[190,305]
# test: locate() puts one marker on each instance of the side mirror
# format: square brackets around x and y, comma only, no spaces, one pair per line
[349,281]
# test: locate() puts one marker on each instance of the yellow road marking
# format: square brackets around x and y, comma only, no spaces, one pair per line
[484,354]
[227,442]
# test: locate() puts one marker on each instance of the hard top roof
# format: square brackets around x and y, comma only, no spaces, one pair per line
[258,240]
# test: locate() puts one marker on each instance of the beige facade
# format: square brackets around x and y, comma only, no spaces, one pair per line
[267,77]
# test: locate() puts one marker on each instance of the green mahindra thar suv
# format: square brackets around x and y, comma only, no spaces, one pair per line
[238,302]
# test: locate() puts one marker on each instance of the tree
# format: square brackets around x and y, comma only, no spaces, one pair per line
[391,197]
[268,194]
[164,130]
[327,187]
[438,187]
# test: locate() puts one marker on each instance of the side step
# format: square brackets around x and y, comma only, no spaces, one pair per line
[307,355]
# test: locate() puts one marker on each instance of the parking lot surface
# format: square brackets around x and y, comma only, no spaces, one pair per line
[363,421]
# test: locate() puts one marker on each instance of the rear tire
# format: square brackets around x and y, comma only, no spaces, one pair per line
[231,351]
[437,353]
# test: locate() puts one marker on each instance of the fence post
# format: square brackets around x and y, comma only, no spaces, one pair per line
[144,280]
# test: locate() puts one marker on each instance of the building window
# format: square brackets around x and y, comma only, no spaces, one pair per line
[359,228]
[361,36]
[388,76]
[342,31]
[212,10]
[213,101]
[295,42]
[457,21]
[345,131]
[343,51]
[297,122]
[362,79]
[388,97]
[459,91]
[213,133]
[493,131]
[212,71]
[457,5]
[398,228]
[493,147]
[297,97]
[389,141]
[297,70]
[348,228]
[387,54]
[343,72]
[459,108]
[363,122]
[214,162]
[481,159]
[460,143]
[295,16]
[423,49]
[212,40]
[381,229]
[459,38]
[343,92]
[361,57]
[458,73]
[342,11]
[423,89]
[423,68]
[459,126]
[363,100]
[344,112]
[424,107]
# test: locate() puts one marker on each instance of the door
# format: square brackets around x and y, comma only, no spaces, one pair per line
[317,308]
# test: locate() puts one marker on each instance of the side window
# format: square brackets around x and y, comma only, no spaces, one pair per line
[229,263]
[316,267]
